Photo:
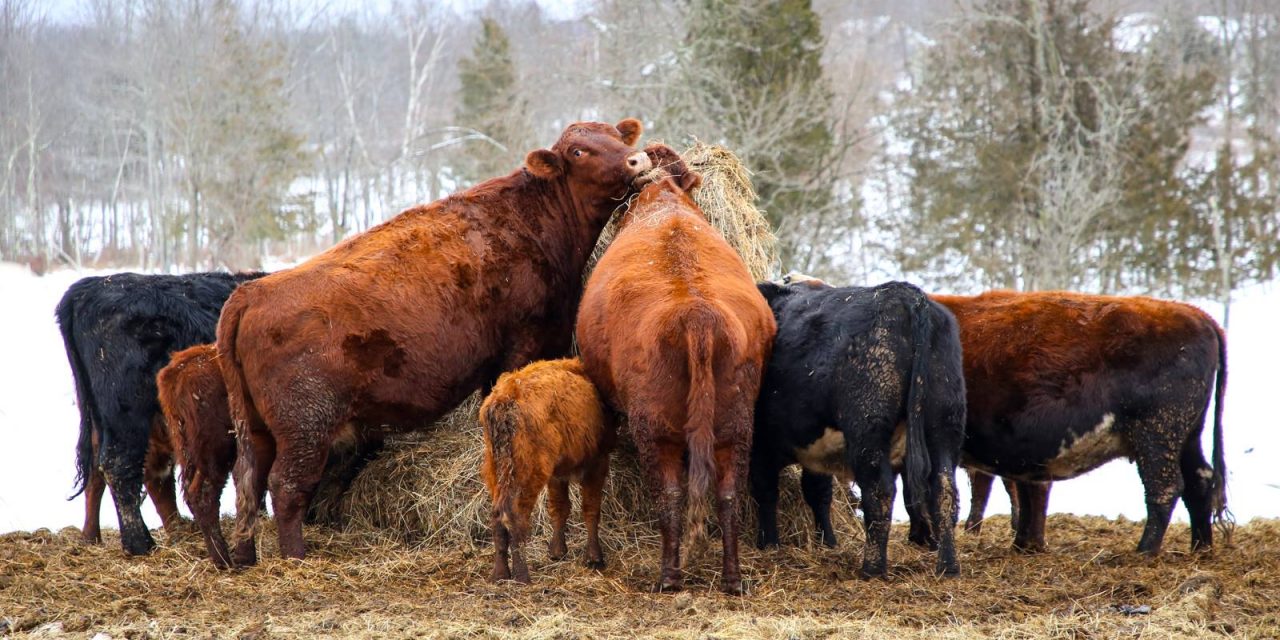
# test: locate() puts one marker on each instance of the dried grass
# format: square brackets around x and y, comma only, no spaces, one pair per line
[362,585]
[426,487]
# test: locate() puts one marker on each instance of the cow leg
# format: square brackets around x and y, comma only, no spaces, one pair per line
[1162,481]
[731,471]
[202,491]
[558,507]
[159,480]
[501,549]
[592,495]
[94,487]
[979,493]
[942,506]
[124,473]
[527,487]
[816,488]
[875,478]
[1033,507]
[251,489]
[1011,488]
[293,479]
[764,490]
[921,531]
[1197,493]
[665,463]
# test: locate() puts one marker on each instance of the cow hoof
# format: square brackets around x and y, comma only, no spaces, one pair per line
[1029,549]
[732,587]
[829,540]
[869,573]
[88,538]
[596,565]
[139,546]
[948,570]
[766,545]
[668,586]
[557,552]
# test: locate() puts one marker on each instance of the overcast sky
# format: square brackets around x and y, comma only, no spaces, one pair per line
[69,10]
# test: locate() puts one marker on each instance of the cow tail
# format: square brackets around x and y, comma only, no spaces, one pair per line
[500,419]
[918,464]
[240,406]
[1221,515]
[699,428]
[66,314]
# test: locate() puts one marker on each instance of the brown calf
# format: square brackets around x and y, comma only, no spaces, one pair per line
[675,335]
[544,426]
[194,401]
[395,326]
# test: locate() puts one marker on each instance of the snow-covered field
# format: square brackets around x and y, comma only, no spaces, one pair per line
[39,419]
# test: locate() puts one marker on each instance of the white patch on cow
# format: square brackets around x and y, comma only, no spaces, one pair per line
[898,446]
[795,277]
[1089,451]
[826,455]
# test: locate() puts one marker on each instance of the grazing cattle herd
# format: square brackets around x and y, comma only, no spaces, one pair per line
[722,381]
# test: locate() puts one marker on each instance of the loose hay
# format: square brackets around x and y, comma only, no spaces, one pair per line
[361,585]
[426,488]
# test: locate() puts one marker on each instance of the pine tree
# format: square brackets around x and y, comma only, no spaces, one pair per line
[1044,155]
[750,76]
[489,105]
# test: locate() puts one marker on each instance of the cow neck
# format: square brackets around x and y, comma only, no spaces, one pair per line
[584,221]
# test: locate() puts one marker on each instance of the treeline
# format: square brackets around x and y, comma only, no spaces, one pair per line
[1015,143]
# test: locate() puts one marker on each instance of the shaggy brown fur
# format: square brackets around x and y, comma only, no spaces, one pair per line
[544,426]
[394,327]
[194,401]
[675,335]
[1059,383]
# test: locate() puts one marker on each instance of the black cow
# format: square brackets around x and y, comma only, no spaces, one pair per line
[861,379]
[119,330]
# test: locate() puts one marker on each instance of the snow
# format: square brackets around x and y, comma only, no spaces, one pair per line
[39,419]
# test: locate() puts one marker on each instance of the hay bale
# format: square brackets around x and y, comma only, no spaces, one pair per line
[426,487]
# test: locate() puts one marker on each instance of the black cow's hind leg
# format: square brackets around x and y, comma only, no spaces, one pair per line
[1197,493]
[764,490]
[979,493]
[816,488]
[1159,468]
[921,532]
[124,476]
[942,507]
[1032,509]
[875,477]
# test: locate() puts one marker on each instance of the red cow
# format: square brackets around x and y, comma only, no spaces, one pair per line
[194,401]
[393,327]
[1060,383]
[544,426]
[675,335]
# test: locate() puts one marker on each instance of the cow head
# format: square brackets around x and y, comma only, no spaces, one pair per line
[667,163]
[596,162]
[795,277]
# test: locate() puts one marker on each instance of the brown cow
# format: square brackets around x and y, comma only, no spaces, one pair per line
[675,335]
[544,426]
[194,401]
[394,327]
[1060,383]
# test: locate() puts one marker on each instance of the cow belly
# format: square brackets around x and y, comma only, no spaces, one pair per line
[1090,450]
[827,453]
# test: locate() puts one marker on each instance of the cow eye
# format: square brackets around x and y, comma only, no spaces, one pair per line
[577,153]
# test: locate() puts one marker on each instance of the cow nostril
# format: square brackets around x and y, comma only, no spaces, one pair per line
[633,162]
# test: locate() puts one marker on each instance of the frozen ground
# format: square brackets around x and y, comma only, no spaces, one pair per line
[38,419]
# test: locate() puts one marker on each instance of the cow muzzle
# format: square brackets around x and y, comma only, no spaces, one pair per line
[638,163]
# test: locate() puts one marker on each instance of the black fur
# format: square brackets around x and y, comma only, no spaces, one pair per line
[120,330]
[863,361]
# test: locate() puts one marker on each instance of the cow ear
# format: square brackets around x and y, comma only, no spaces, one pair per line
[543,164]
[690,181]
[630,130]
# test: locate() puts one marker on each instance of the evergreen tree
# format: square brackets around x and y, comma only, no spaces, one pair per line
[489,106]
[1043,154]
[750,76]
